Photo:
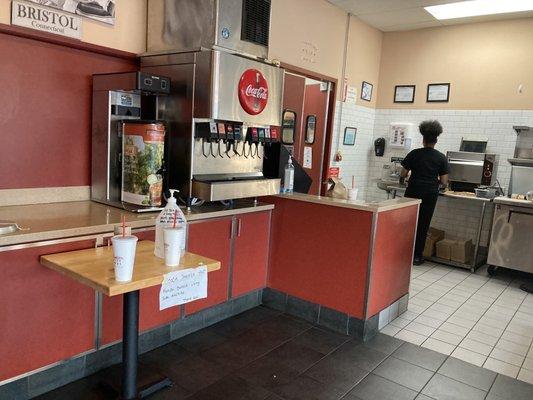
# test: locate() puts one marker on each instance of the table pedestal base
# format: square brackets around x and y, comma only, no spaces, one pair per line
[130,388]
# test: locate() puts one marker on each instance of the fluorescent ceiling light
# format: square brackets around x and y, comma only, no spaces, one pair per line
[475,8]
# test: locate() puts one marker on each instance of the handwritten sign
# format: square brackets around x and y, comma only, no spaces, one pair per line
[184,286]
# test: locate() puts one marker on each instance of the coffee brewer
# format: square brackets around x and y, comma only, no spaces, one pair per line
[128,140]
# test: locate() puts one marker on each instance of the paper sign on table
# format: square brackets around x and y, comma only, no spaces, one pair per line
[184,286]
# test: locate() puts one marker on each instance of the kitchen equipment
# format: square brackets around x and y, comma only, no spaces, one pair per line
[473,146]
[470,170]
[486,192]
[127,151]
[522,164]
[510,243]
[379,147]
[240,26]
[521,180]
[223,110]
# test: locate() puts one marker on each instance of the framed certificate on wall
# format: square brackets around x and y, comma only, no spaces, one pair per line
[404,93]
[438,93]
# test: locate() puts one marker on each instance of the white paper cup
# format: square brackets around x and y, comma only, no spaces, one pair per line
[352,194]
[172,238]
[124,256]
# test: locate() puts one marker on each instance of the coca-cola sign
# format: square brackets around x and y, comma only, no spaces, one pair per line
[253,91]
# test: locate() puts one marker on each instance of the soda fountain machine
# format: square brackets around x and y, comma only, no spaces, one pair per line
[128,140]
[225,103]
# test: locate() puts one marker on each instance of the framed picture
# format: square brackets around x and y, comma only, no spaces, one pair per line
[366,91]
[404,93]
[349,136]
[100,10]
[438,93]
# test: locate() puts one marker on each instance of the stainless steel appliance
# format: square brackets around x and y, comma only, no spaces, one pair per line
[240,26]
[510,244]
[522,164]
[221,112]
[224,107]
[122,101]
[469,170]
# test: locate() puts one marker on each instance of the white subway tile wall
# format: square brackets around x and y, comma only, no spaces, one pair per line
[458,217]
[356,160]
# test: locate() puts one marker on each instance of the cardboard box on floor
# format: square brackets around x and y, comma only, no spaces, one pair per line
[457,250]
[462,251]
[433,236]
[444,248]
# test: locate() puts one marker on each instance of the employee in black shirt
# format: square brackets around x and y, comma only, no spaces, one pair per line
[429,169]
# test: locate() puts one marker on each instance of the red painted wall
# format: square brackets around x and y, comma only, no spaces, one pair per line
[45,116]
[393,255]
[320,253]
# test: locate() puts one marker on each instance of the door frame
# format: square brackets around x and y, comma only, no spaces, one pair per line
[330,114]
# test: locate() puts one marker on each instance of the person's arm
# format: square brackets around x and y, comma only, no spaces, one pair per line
[406,167]
[443,173]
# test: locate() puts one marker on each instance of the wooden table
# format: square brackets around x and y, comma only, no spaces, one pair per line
[94,268]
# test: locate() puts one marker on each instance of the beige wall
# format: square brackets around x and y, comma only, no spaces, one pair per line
[128,34]
[309,34]
[484,62]
[363,58]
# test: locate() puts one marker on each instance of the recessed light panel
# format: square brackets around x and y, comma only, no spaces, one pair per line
[474,8]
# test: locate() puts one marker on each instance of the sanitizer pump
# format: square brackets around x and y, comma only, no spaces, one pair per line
[166,220]
[288,177]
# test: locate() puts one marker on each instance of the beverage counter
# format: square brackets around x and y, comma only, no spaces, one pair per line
[341,263]
[337,263]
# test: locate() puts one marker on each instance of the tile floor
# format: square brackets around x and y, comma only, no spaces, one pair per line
[264,355]
[481,320]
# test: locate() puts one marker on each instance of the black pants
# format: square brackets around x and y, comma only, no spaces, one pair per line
[429,201]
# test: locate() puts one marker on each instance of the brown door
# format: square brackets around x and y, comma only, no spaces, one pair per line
[313,131]
[305,109]
[293,94]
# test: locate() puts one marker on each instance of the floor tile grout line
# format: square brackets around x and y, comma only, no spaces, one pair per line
[476,322]
[493,382]
[435,301]
[504,329]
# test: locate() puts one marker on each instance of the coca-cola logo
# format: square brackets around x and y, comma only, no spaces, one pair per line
[260,93]
[253,91]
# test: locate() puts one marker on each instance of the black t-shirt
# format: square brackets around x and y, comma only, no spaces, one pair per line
[426,165]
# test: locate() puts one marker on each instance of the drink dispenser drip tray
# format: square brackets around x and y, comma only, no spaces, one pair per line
[228,188]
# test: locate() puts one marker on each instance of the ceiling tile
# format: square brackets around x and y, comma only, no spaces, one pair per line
[398,17]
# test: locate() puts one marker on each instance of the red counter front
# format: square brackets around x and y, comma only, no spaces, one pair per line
[353,261]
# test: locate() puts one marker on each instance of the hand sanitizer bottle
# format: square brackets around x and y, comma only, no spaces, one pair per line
[166,220]
[288,180]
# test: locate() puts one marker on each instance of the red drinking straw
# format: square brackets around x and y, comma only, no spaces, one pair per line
[175,218]
[123,225]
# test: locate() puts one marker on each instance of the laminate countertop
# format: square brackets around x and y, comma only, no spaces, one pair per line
[371,206]
[41,222]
